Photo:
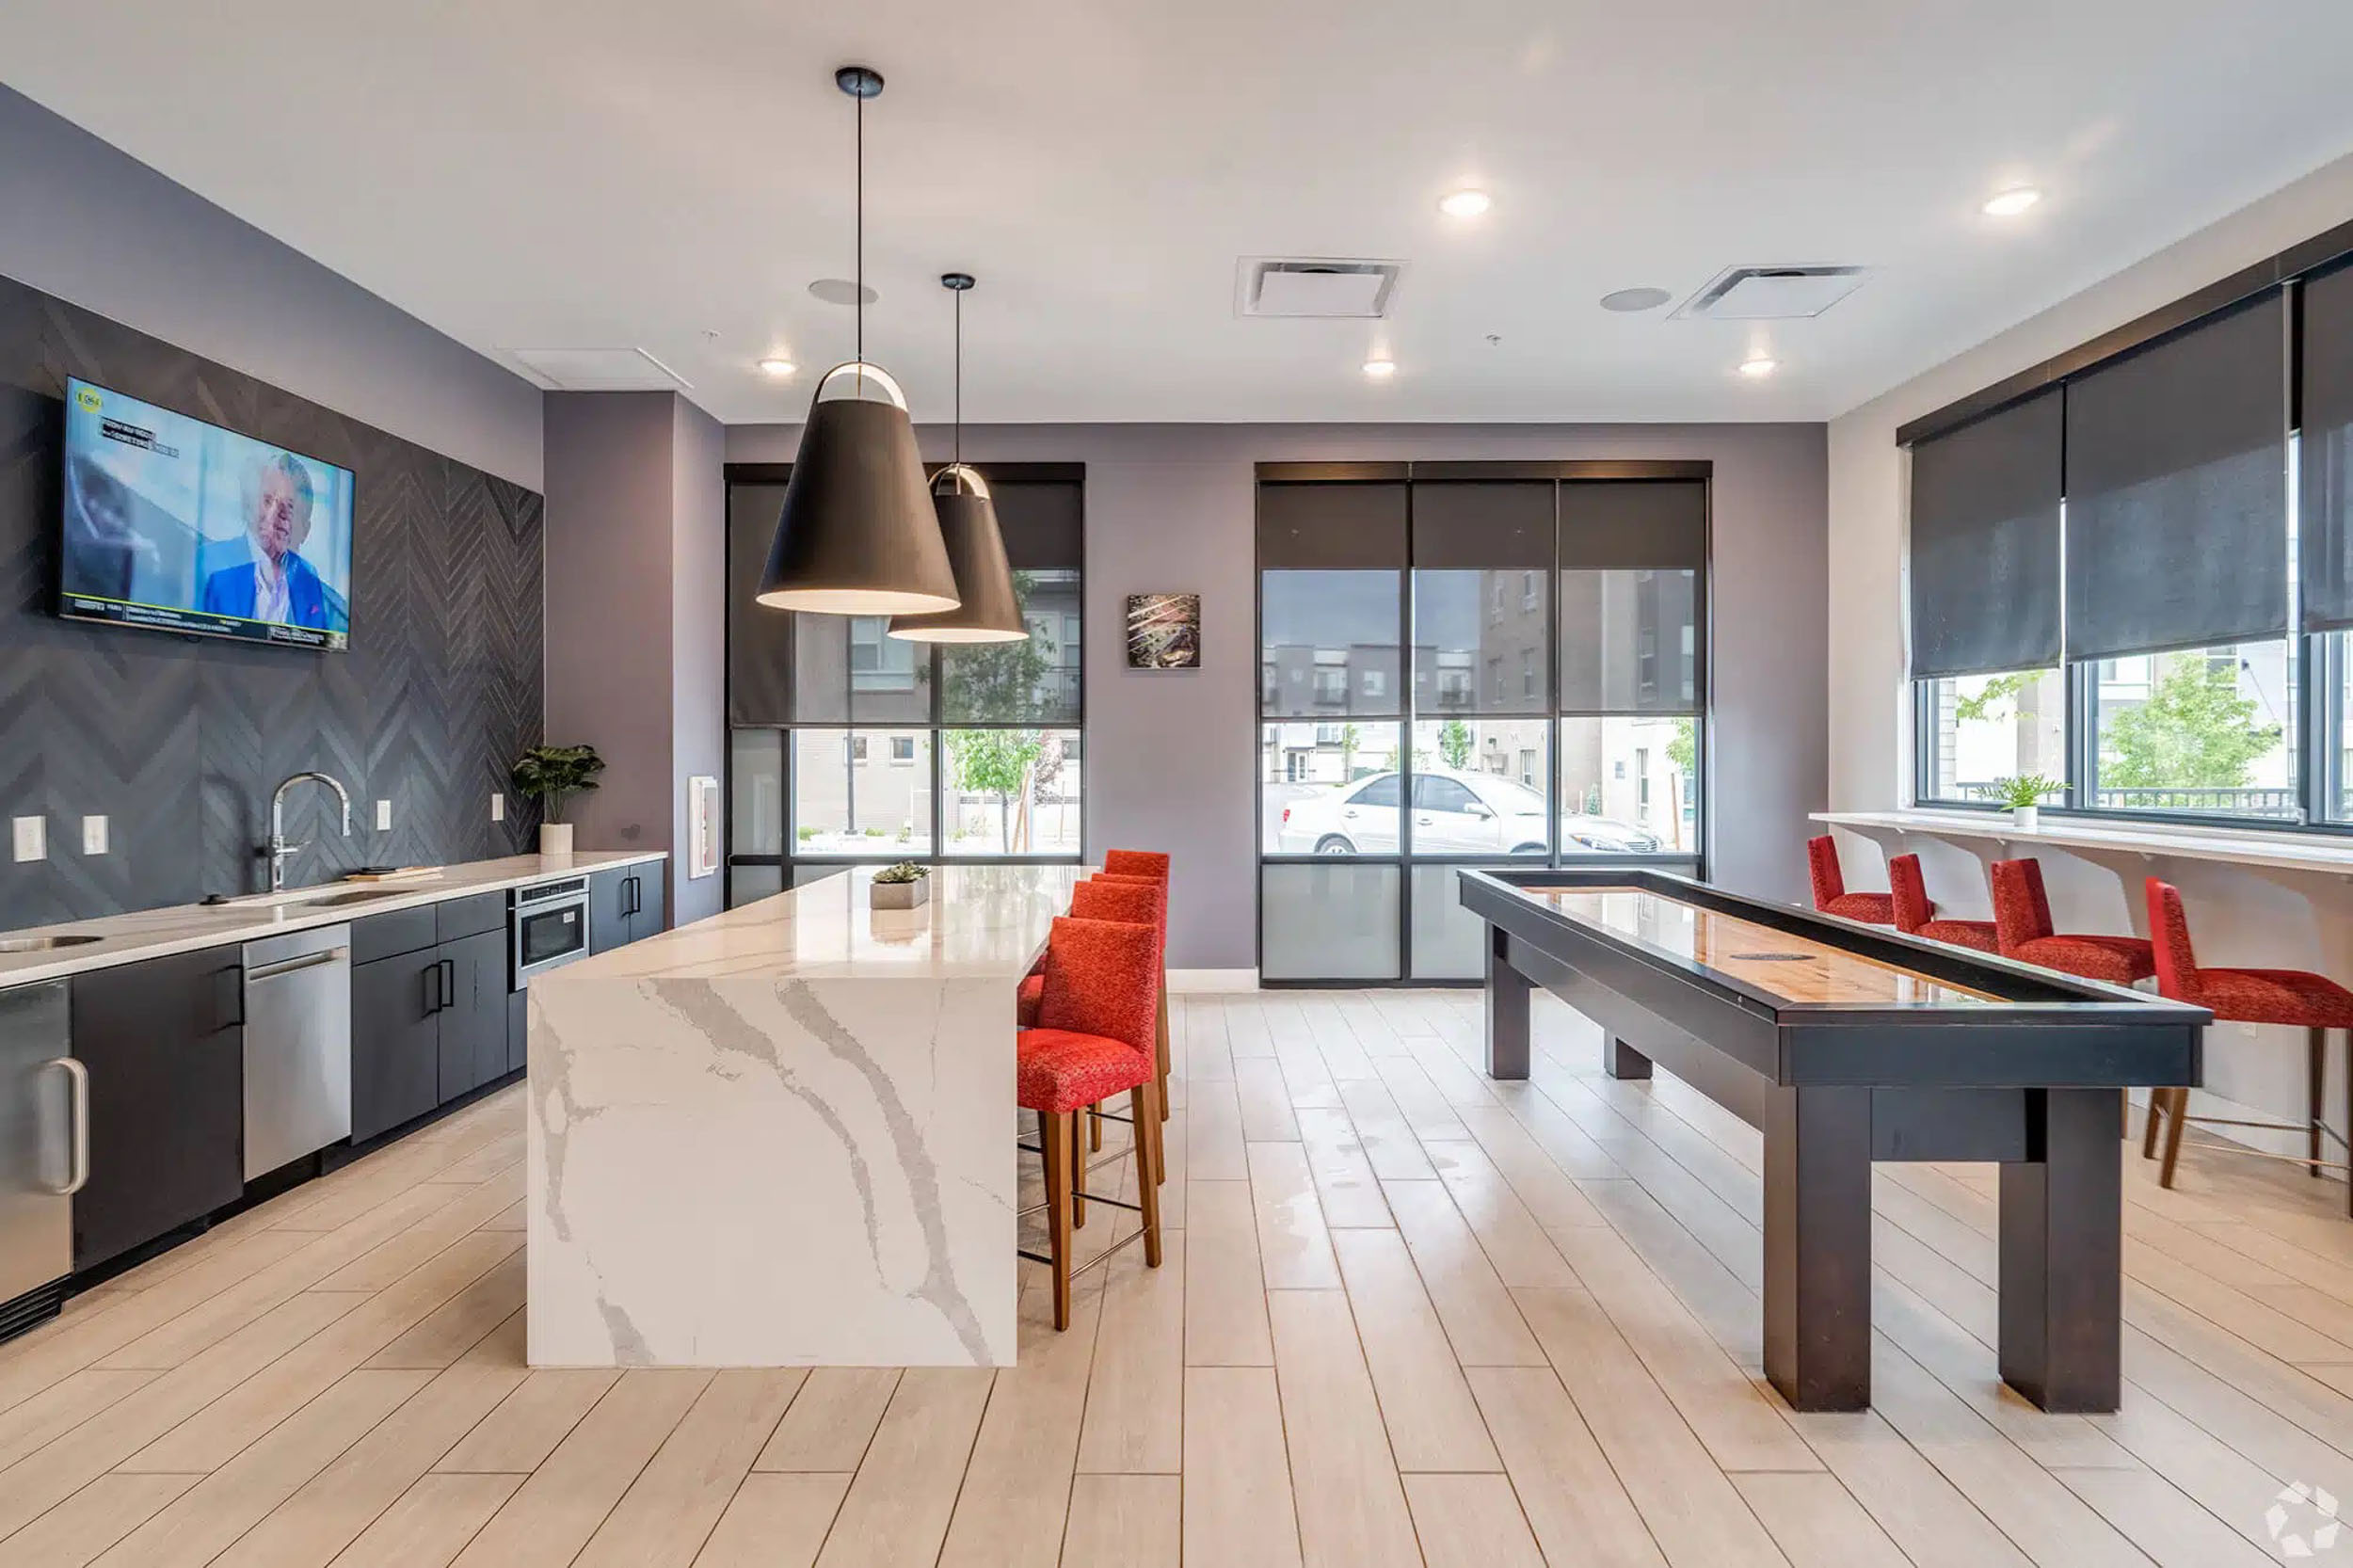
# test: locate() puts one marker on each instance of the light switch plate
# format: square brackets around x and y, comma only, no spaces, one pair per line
[31,838]
[498,806]
[93,835]
[383,815]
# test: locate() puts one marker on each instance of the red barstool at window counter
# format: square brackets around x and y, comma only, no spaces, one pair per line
[1830,888]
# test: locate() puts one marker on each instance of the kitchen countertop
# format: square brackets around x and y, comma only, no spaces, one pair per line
[979,922]
[187,927]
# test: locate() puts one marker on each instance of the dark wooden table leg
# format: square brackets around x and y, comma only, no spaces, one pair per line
[1619,1059]
[1817,1246]
[1507,1012]
[2062,1254]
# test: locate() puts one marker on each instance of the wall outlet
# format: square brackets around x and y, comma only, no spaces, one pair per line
[31,838]
[383,815]
[498,806]
[93,835]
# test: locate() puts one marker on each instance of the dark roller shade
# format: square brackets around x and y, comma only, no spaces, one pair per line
[759,640]
[1985,543]
[1044,524]
[2327,457]
[2177,491]
[1618,525]
[1470,526]
[1330,527]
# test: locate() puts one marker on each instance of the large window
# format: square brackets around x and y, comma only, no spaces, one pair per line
[2106,577]
[849,745]
[1466,664]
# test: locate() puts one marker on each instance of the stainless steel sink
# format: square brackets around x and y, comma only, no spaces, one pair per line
[44,944]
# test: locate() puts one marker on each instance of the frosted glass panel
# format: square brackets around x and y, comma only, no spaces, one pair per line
[1450,942]
[1329,920]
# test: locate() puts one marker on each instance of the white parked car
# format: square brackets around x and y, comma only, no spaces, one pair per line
[1454,813]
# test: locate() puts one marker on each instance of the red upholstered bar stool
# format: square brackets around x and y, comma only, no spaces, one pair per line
[2295,997]
[1830,888]
[1142,902]
[2022,926]
[1914,913]
[1094,1040]
[1152,864]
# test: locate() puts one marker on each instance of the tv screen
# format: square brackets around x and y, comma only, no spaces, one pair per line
[183,526]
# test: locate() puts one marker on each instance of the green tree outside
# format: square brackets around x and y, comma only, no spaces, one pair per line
[998,763]
[1454,744]
[2194,731]
[1684,750]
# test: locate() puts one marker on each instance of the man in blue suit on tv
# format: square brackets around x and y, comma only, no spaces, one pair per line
[279,586]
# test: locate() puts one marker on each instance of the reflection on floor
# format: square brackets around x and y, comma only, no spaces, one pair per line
[1411,1317]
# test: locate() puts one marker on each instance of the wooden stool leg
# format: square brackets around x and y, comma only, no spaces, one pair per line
[1095,1128]
[1056,1139]
[2177,1113]
[2150,1122]
[1078,1171]
[1144,1104]
[2315,1075]
[1159,1035]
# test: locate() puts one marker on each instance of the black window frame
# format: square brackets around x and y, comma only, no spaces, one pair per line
[790,865]
[1550,715]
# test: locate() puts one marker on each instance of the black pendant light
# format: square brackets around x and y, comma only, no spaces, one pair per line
[991,611]
[858,536]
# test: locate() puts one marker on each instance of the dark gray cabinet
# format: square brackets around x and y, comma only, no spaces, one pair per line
[429,1023]
[625,905]
[395,1040]
[163,1042]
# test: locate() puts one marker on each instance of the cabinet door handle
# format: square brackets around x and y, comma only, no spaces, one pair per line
[77,1081]
[431,975]
[449,982]
[235,980]
[630,883]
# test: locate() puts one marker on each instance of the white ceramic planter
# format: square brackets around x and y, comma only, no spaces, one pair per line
[901,895]
[555,837]
[2024,818]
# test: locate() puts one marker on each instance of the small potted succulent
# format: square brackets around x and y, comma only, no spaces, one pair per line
[547,775]
[2023,796]
[904,886]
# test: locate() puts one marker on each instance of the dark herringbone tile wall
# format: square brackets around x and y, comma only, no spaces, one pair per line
[178,741]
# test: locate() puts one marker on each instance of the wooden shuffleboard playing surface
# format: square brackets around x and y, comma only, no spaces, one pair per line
[1781,963]
[1847,1044]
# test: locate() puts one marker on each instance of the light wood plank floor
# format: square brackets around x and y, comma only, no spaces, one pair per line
[1407,1317]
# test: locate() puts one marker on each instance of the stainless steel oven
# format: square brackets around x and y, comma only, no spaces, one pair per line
[549,925]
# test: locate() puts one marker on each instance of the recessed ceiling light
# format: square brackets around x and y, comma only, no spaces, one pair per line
[1465,203]
[776,367]
[1380,370]
[2010,204]
[1627,301]
[1758,366]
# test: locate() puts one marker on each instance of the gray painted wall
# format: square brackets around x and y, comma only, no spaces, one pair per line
[1172,756]
[90,224]
[698,645]
[636,526]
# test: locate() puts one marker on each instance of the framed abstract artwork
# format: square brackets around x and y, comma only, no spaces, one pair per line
[1164,631]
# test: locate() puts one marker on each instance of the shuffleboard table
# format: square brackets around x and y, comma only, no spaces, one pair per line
[1846,1044]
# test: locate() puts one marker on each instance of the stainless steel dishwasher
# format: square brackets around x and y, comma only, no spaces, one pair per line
[297,1046]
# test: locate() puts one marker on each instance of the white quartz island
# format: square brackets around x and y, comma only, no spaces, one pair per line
[785,1136]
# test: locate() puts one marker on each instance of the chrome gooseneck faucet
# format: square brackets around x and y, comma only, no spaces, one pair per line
[280,850]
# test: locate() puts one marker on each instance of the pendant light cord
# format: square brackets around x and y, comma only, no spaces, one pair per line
[959,383]
[861,245]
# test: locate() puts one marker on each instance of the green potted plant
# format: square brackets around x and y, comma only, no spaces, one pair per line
[547,775]
[904,886]
[2023,796]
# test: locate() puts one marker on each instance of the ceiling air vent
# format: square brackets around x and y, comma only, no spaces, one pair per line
[1771,293]
[1314,287]
[598,368]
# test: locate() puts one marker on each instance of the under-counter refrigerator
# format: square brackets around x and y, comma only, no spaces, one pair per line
[44,1121]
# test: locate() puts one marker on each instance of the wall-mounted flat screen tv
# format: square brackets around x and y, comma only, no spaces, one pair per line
[183,526]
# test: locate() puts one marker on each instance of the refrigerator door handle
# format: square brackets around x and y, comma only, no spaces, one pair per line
[77,1079]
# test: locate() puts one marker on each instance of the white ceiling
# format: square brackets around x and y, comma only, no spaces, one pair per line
[671,174]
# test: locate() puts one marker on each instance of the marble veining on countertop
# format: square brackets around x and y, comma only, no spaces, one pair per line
[188,927]
[981,922]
